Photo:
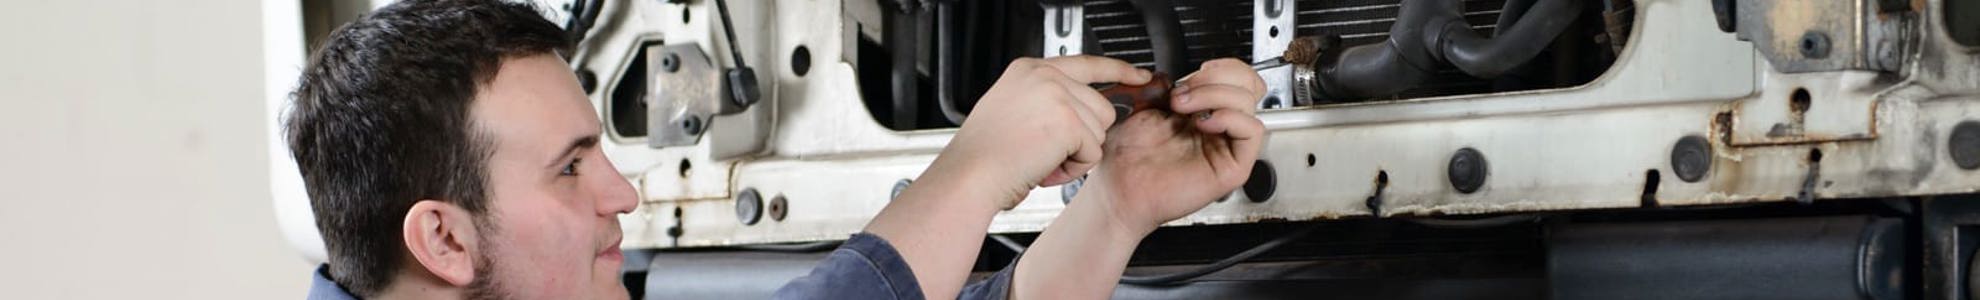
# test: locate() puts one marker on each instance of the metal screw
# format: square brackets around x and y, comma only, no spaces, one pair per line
[1467,170]
[749,206]
[1066,192]
[1691,158]
[1814,44]
[691,125]
[898,187]
[670,63]
[1964,144]
[778,208]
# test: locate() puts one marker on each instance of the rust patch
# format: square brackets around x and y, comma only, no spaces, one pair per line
[1723,126]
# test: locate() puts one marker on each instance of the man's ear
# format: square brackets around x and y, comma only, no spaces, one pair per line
[441,237]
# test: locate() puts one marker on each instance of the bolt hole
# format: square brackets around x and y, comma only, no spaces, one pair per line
[1274,31]
[685,168]
[1651,179]
[1814,155]
[684,14]
[1310,160]
[1374,201]
[1062,50]
[801,61]
[1799,101]
[675,231]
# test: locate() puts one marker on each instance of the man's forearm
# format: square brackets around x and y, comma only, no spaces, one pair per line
[939,222]
[1080,256]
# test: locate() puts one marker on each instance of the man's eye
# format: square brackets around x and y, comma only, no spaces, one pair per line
[570,169]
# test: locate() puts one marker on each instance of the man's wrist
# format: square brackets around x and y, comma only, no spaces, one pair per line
[964,177]
[1099,203]
[985,174]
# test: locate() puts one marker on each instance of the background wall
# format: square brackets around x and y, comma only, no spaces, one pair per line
[133,155]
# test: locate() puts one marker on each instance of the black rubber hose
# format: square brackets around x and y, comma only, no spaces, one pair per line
[1430,33]
[1510,14]
[1401,62]
[1165,34]
[1489,57]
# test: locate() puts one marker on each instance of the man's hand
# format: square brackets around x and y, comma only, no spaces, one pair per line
[1162,166]
[1158,166]
[1040,124]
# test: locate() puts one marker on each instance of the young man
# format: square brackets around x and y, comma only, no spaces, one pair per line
[449,153]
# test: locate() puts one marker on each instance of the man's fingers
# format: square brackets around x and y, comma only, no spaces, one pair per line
[1211,97]
[1227,71]
[1082,159]
[1057,177]
[1246,132]
[1091,120]
[1087,69]
[1091,99]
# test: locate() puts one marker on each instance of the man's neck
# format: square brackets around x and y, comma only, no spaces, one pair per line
[417,284]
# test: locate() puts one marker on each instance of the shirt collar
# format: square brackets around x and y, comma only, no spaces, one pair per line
[322,288]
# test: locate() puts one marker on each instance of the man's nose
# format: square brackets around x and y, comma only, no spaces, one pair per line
[615,194]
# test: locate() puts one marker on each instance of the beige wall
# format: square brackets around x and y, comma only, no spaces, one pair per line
[133,162]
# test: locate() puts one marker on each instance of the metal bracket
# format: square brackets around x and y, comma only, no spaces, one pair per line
[1271,32]
[687,91]
[1812,36]
[1065,29]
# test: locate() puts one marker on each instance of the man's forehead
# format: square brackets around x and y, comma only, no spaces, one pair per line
[534,102]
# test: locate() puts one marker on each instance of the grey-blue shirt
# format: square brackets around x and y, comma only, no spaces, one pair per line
[865,267]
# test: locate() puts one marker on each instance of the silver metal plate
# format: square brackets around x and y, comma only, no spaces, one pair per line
[685,92]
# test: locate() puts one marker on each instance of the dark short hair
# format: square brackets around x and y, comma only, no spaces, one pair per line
[381,120]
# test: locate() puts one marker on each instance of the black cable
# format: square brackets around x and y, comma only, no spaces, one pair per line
[1494,221]
[584,14]
[946,71]
[1220,265]
[1008,243]
[794,247]
[729,30]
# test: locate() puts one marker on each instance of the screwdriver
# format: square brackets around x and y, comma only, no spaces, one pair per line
[1129,99]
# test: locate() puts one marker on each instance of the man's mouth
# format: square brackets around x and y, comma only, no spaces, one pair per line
[611,250]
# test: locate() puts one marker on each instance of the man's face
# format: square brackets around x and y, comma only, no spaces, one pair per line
[553,197]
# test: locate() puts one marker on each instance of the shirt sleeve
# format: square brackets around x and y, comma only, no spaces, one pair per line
[867,267]
[995,287]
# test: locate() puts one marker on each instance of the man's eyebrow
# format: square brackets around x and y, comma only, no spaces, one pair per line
[586,142]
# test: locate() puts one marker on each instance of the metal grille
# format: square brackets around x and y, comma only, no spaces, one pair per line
[1216,28]
[1211,29]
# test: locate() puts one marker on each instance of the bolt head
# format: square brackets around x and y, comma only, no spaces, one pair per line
[1467,170]
[1691,158]
[1964,144]
[749,206]
[1814,45]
